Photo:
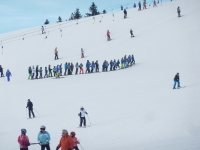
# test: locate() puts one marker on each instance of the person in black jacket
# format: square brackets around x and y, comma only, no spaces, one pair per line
[30,108]
[1,71]
[36,71]
[97,66]
[176,80]
[125,13]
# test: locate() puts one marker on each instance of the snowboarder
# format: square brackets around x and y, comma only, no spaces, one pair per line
[1,71]
[76,142]
[179,11]
[30,108]
[97,66]
[121,7]
[88,65]
[77,66]
[82,117]
[66,141]
[125,14]
[139,5]
[108,35]
[8,74]
[42,30]
[33,72]
[82,53]
[176,80]
[50,71]
[81,69]
[154,3]
[46,73]
[23,140]
[56,53]
[30,73]
[131,32]
[44,138]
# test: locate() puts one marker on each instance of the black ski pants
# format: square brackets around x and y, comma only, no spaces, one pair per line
[2,75]
[23,148]
[87,70]
[40,75]
[69,72]
[31,111]
[45,146]
[36,76]
[32,76]
[82,121]
[54,73]
[76,70]
[56,56]
[111,67]
[76,148]
[97,68]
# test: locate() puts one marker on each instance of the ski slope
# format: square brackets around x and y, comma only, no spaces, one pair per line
[131,109]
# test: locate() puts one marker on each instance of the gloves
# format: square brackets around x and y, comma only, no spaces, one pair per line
[57,148]
[25,144]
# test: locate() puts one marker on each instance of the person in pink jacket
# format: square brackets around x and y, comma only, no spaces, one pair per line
[23,140]
[73,134]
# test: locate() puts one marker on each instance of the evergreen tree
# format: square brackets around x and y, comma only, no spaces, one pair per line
[59,19]
[77,14]
[104,11]
[93,10]
[46,22]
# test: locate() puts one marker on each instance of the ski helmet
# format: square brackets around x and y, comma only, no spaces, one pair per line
[43,127]
[73,133]
[81,107]
[23,131]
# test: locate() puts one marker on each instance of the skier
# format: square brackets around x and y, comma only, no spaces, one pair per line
[179,11]
[44,138]
[114,64]
[66,67]
[97,66]
[108,35]
[121,7]
[132,60]
[81,69]
[50,71]
[131,32]
[54,71]
[139,4]
[92,66]
[30,108]
[57,71]
[23,140]
[46,73]
[30,73]
[66,141]
[125,14]
[40,72]
[82,53]
[154,3]
[37,70]
[33,72]
[176,80]
[73,135]
[82,117]
[106,65]
[1,71]
[77,66]
[117,64]
[134,6]
[88,64]
[42,30]
[71,68]
[56,53]
[8,74]
[111,65]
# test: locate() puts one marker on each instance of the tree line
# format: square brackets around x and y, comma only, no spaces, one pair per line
[77,15]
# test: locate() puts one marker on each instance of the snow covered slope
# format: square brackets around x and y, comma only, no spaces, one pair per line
[130,109]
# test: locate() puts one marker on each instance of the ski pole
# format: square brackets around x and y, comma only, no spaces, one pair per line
[81,146]
[88,119]
[26,113]
[36,111]
[34,143]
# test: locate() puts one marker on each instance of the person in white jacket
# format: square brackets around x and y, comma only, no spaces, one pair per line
[33,72]
[82,117]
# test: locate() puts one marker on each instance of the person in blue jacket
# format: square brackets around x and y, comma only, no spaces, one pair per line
[88,65]
[117,64]
[66,67]
[57,71]
[77,66]
[8,74]
[44,138]
[106,65]
[114,64]
[92,66]
[122,7]
[132,59]
[134,5]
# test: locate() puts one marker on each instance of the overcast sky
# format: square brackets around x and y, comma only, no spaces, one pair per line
[20,14]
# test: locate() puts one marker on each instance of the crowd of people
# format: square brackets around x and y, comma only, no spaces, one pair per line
[91,67]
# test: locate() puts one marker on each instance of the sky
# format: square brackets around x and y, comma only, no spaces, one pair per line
[20,14]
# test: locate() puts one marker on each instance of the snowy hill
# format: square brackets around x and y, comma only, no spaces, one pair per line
[132,109]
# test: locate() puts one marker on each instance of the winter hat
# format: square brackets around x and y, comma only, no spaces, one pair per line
[65,131]
[42,127]
[73,133]
[23,131]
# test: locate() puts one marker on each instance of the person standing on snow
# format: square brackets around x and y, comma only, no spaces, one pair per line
[82,117]
[46,72]
[30,73]
[56,53]
[33,72]
[71,68]
[176,80]
[44,138]
[179,11]
[30,108]
[40,72]
[50,71]
[77,66]
[81,69]
[23,140]
[97,66]
[37,70]
[88,65]
[42,30]
[154,3]
[121,7]
[125,14]
[139,5]
[131,32]
[92,66]
[134,5]
[76,142]
[8,75]
[108,35]
[1,71]
[82,53]
[66,141]
[72,16]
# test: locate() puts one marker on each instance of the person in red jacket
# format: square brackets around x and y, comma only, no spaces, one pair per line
[76,142]
[23,140]
[108,35]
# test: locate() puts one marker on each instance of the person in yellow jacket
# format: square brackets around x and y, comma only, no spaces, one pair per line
[56,53]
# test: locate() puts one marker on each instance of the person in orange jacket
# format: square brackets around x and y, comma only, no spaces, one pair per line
[23,140]
[66,141]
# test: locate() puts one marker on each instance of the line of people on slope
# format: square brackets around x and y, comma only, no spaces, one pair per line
[92,67]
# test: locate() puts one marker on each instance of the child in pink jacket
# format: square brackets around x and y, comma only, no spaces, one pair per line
[73,134]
